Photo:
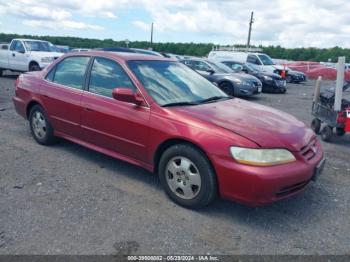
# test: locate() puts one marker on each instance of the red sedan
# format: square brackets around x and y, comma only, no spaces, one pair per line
[159,114]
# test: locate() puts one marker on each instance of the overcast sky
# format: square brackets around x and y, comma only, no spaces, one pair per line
[290,23]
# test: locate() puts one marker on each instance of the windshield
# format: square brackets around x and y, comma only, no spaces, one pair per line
[219,67]
[266,60]
[40,46]
[170,82]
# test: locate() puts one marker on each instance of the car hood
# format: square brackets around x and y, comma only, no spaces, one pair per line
[267,127]
[238,76]
[45,54]
[274,76]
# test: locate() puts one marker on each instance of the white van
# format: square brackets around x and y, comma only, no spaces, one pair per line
[260,61]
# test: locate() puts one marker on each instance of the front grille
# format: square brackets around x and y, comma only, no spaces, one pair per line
[310,150]
[291,189]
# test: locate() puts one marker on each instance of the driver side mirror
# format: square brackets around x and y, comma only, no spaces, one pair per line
[127,95]
[210,71]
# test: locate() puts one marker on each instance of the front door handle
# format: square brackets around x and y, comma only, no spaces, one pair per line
[89,109]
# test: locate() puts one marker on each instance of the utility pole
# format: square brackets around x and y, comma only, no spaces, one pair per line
[250,29]
[151,35]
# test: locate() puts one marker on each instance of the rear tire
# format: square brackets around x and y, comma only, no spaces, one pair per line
[326,133]
[40,126]
[228,88]
[316,125]
[187,176]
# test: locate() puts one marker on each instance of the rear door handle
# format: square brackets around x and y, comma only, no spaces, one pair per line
[89,109]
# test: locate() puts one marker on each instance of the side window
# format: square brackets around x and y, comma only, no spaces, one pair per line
[188,63]
[13,45]
[253,60]
[106,75]
[198,65]
[19,47]
[237,67]
[71,71]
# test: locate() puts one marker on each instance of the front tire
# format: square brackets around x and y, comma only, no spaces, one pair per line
[187,176]
[326,133]
[316,125]
[227,88]
[40,126]
[34,67]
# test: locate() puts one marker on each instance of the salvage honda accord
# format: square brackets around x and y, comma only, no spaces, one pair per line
[159,114]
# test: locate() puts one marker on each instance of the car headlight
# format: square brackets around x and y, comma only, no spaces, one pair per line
[47,59]
[242,83]
[261,157]
[268,78]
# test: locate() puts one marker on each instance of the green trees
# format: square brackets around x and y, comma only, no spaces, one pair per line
[194,49]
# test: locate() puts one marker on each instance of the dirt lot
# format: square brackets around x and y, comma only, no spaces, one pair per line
[67,199]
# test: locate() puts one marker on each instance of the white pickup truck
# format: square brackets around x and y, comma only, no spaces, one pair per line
[23,55]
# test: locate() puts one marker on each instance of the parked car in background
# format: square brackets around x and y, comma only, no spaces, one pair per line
[260,61]
[232,83]
[173,56]
[115,49]
[270,82]
[4,46]
[159,114]
[27,55]
[130,50]
[62,48]
[146,52]
[79,50]
[294,76]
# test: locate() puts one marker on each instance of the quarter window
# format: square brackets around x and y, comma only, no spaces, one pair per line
[107,75]
[71,71]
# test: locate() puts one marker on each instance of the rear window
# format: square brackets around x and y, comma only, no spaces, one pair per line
[70,72]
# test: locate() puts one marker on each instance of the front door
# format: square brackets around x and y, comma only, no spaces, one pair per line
[110,124]
[17,56]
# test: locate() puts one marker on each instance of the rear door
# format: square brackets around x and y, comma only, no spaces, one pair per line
[17,56]
[110,124]
[62,91]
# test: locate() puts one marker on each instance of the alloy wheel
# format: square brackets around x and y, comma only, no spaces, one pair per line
[183,177]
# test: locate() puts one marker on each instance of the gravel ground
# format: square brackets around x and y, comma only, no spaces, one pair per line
[66,199]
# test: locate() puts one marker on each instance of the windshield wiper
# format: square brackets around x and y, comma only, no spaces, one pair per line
[214,98]
[180,104]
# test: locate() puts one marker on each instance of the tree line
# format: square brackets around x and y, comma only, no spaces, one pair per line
[192,49]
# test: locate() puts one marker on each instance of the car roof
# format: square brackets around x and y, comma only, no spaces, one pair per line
[27,39]
[126,56]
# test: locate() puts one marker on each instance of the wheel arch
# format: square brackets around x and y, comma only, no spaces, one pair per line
[30,106]
[171,142]
[31,62]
